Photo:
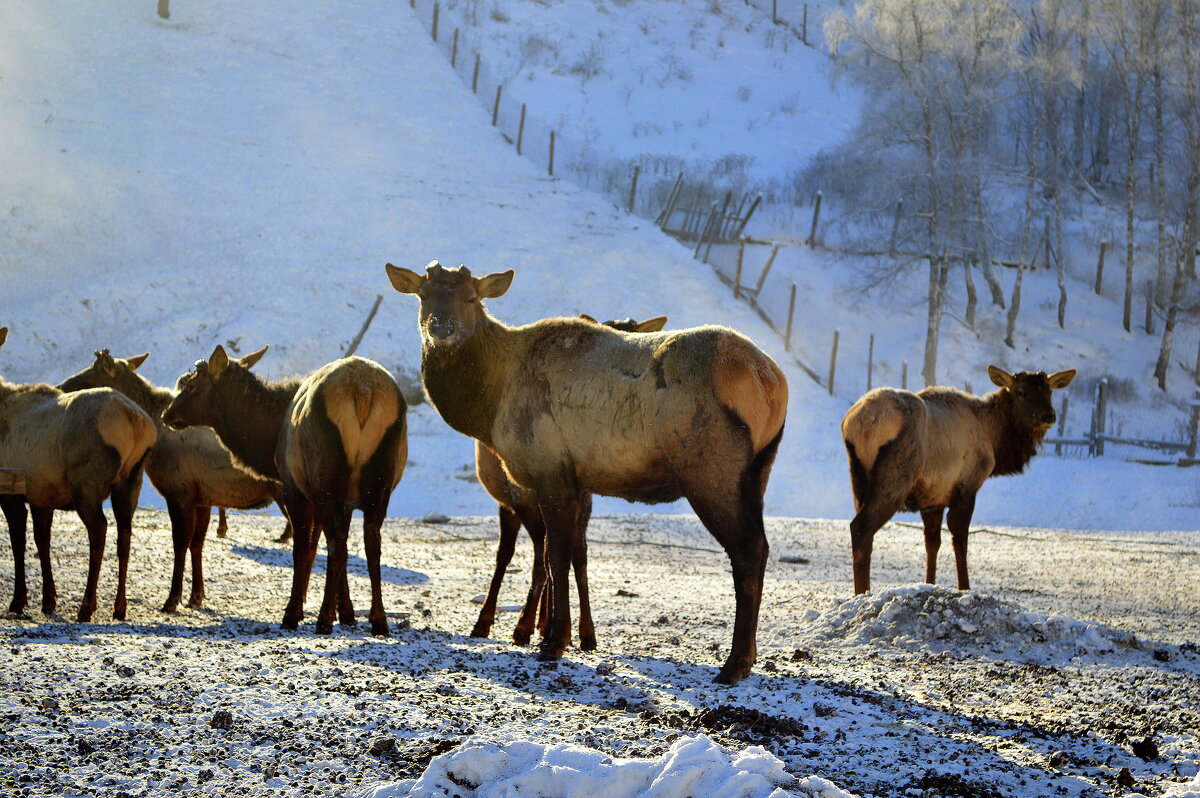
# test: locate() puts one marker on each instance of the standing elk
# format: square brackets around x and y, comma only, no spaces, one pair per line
[574,408]
[931,451]
[337,441]
[518,506]
[191,468]
[75,450]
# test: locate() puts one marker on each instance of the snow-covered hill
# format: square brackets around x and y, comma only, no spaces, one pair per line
[240,176]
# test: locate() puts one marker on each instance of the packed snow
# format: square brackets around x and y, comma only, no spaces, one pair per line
[239,175]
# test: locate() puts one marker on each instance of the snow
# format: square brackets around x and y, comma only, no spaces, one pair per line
[692,766]
[240,176]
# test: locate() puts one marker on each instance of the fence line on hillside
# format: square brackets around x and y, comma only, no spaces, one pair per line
[654,189]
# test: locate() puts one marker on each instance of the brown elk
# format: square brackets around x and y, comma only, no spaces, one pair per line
[518,506]
[931,451]
[191,468]
[573,408]
[337,441]
[76,450]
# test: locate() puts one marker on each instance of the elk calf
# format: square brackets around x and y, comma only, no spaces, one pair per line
[191,468]
[573,408]
[76,450]
[336,441]
[518,506]
[929,451]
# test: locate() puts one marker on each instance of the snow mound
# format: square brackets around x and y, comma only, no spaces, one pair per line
[693,766]
[932,618]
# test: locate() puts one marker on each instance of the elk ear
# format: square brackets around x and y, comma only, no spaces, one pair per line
[1061,379]
[404,280]
[249,360]
[104,360]
[3,335]
[136,360]
[1000,376]
[586,317]
[218,361]
[494,285]
[651,325]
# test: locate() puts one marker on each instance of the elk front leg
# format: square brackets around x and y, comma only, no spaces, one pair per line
[561,517]
[196,547]
[183,523]
[42,519]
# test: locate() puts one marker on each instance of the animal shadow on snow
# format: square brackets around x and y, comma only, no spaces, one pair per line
[355,564]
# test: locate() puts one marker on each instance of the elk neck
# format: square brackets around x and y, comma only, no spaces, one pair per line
[1013,445]
[249,414]
[465,382]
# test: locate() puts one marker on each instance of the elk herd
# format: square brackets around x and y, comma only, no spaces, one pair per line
[559,410]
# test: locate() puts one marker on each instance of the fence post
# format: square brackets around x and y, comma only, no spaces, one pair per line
[637,169]
[718,223]
[475,76]
[762,278]
[904,376]
[521,129]
[870,361]
[702,233]
[550,168]
[774,12]
[1062,422]
[737,280]
[804,25]
[787,338]
[454,51]
[164,9]
[812,234]
[1100,265]
[833,360]
[496,105]
[437,7]
[1100,422]
[1195,425]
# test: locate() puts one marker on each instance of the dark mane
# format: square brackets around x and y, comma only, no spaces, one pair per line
[260,408]
[1015,445]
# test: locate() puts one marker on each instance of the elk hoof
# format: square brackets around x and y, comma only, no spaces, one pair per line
[119,615]
[521,636]
[380,628]
[84,616]
[324,626]
[481,629]
[196,601]
[587,643]
[551,651]
[733,673]
[17,607]
[172,606]
[290,624]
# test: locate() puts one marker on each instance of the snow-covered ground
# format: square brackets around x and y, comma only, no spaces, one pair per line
[239,175]
[1074,653]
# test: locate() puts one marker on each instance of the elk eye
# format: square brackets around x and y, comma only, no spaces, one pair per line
[471,300]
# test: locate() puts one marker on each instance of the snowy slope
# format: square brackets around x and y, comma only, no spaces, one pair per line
[240,177]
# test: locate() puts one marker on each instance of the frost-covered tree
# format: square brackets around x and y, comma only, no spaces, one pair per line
[934,72]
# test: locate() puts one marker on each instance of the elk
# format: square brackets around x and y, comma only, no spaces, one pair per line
[931,451]
[76,450]
[336,441]
[574,408]
[191,468]
[517,507]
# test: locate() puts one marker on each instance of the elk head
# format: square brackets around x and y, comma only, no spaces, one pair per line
[194,406]
[451,306]
[1029,392]
[106,371]
[630,325]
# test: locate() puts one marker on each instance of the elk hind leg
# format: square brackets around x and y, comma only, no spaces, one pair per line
[196,547]
[16,515]
[124,503]
[933,542]
[962,507]
[510,526]
[561,516]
